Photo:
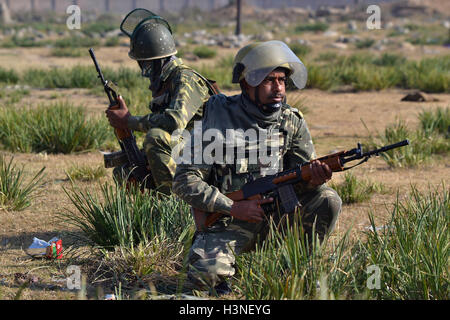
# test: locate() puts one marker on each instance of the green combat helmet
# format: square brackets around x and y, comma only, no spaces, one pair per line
[255,61]
[150,35]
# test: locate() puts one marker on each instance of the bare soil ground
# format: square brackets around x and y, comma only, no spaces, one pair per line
[334,120]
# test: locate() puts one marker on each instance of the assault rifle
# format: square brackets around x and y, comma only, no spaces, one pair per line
[130,159]
[280,185]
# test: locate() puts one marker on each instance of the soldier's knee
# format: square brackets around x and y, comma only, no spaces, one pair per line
[333,203]
[322,207]
[333,199]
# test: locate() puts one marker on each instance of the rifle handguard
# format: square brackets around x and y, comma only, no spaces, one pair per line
[332,160]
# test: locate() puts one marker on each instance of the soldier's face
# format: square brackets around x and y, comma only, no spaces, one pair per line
[272,89]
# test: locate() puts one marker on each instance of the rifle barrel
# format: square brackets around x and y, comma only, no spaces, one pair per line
[97,67]
[387,148]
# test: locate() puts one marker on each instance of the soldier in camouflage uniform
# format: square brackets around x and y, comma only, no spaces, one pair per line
[262,70]
[178,93]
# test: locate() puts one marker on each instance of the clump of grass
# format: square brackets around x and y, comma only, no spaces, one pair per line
[13,96]
[104,23]
[327,56]
[221,72]
[298,102]
[60,127]
[364,44]
[389,59]
[112,42]
[300,50]
[156,262]
[125,217]
[366,72]
[312,27]
[8,76]
[287,266]
[401,157]
[15,194]
[85,172]
[76,42]
[413,251]
[67,52]
[26,42]
[204,52]
[81,77]
[422,146]
[352,190]
[437,121]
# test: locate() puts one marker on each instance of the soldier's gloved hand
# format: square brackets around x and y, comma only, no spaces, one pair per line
[320,173]
[118,114]
[249,210]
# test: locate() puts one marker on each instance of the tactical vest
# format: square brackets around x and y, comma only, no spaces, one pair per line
[231,177]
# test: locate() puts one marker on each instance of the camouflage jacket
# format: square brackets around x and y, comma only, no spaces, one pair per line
[204,185]
[179,101]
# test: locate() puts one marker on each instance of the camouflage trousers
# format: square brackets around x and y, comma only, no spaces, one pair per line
[212,255]
[158,148]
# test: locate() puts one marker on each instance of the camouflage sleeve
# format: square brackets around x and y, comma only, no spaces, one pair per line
[190,185]
[190,182]
[190,92]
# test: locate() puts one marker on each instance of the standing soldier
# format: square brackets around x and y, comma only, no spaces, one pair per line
[262,70]
[178,93]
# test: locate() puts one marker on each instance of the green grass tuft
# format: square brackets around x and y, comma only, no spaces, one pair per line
[54,128]
[85,172]
[125,217]
[204,52]
[352,190]
[15,194]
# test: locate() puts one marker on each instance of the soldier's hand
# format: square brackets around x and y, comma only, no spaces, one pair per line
[118,114]
[320,173]
[249,210]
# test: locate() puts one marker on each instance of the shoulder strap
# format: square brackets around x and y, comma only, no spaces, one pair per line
[212,84]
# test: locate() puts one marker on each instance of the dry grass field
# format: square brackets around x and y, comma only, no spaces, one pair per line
[337,120]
